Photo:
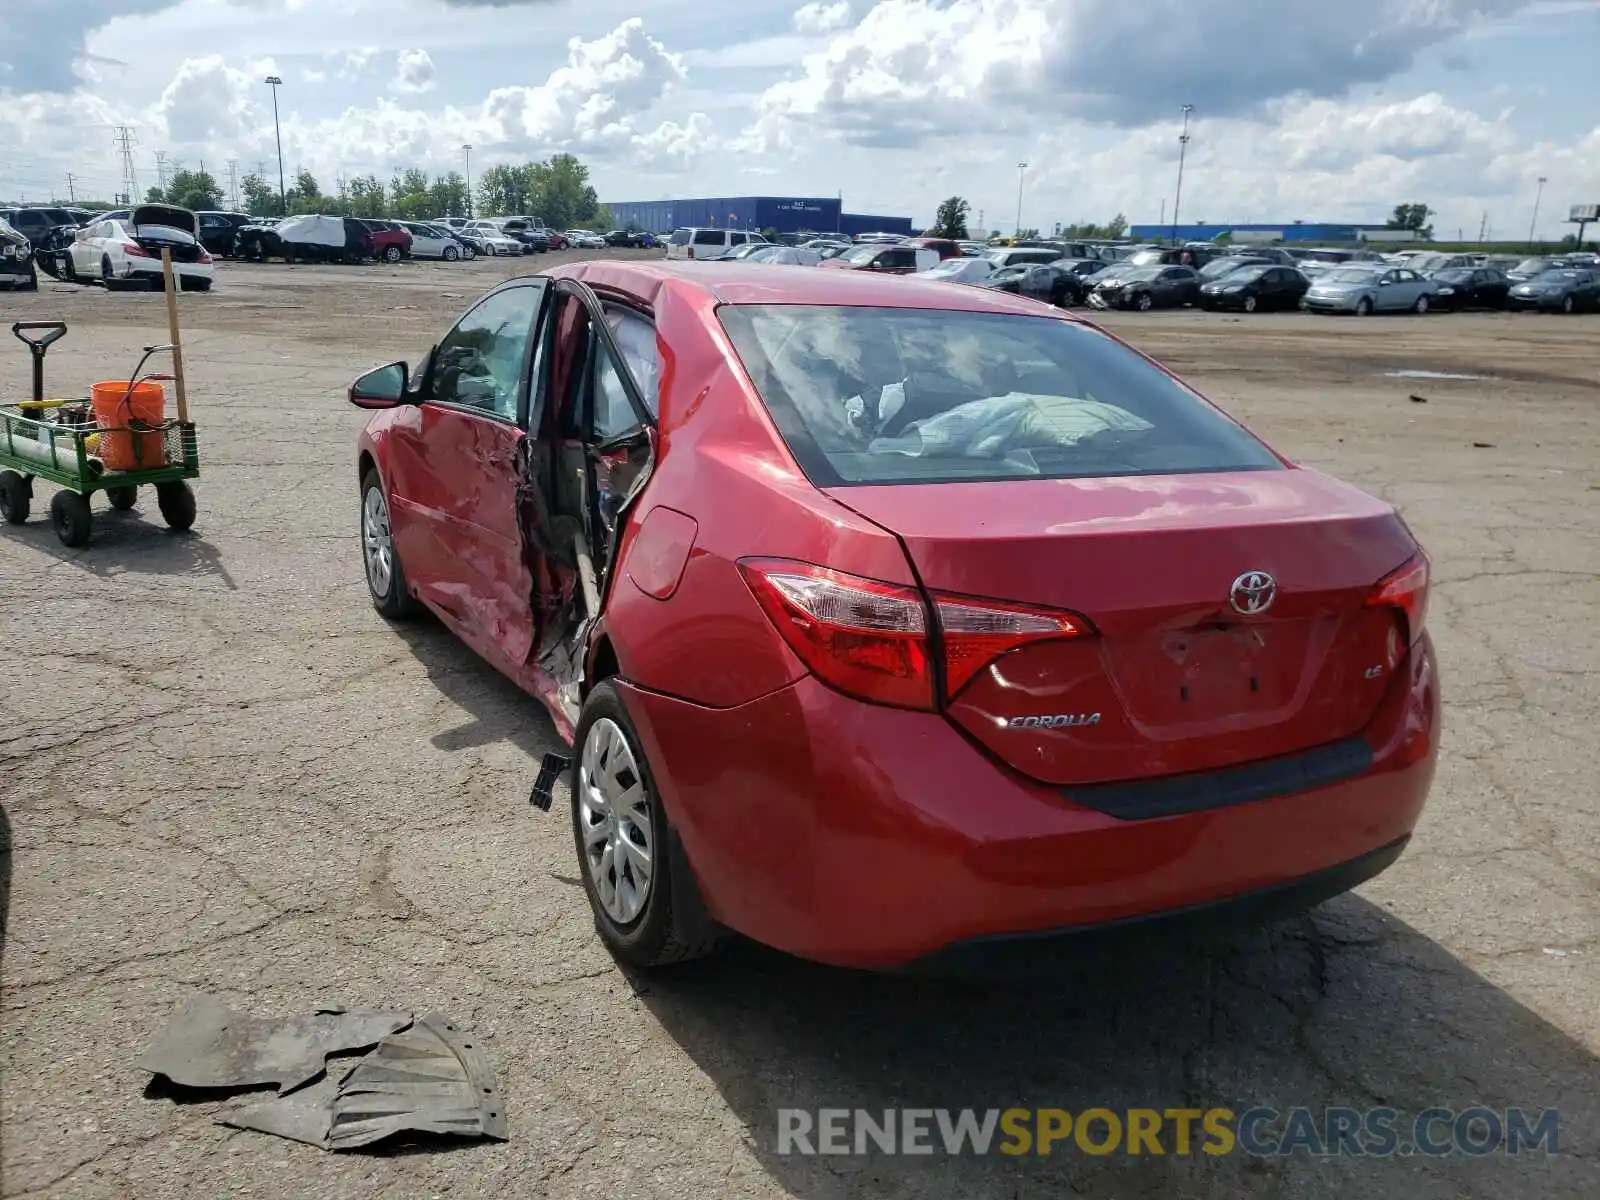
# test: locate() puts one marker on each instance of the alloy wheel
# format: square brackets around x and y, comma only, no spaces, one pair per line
[615,822]
[1250,304]
[377,542]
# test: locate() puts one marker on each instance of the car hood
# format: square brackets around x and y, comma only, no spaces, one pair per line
[167,215]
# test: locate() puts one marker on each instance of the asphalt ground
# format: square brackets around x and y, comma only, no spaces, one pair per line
[222,772]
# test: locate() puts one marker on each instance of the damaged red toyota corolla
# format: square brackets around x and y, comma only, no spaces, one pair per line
[888,617]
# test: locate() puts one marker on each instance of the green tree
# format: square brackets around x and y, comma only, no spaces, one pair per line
[194,190]
[306,196]
[155,195]
[367,197]
[260,197]
[1413,217]
[447,196]
[1117,227]
[951,219]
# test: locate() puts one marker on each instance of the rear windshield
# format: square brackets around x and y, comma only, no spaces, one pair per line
[680,237]
[891,395]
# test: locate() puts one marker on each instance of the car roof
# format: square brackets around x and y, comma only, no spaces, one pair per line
[763,283]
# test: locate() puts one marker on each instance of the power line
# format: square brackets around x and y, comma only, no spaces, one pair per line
[233,184]
[125,142]
[161,170]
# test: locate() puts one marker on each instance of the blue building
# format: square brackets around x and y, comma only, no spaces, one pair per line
[1292,232]
[786,214]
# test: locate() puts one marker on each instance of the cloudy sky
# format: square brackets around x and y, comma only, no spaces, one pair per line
[1312,111]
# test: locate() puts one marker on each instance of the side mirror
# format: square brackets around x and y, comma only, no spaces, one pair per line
[384,387]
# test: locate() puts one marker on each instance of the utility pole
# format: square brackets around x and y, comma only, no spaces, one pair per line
[1183,149]
[161,171]
[125,142]
[72,192]
[466,152]
[1483,228]
[1538,196]
[283,191]
[983,230]
[1022,174]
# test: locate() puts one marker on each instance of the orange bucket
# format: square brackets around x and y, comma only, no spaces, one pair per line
[115,407]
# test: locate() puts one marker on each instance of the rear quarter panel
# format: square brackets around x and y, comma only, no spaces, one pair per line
[721,464]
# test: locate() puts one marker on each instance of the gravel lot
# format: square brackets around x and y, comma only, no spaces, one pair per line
[223,772]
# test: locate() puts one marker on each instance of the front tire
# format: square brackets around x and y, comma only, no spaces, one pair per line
[1363,307]
[1249,304]
[392,254]
[643,911]
[1144,302]
[69,513]
[1421,306]
[451,254]
[177,504]
[1569,306]
[386,579]
[15,497]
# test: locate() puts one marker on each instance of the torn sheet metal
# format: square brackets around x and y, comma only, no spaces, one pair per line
[428,1079]
[209,1045]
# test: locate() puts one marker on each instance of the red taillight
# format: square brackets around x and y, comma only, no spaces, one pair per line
[204,257]
[873,640]
[134,250]
[1406,588]
[976,632]
[864,638]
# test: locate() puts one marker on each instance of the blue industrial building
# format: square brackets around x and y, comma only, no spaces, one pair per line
[1292,232]
[786,214]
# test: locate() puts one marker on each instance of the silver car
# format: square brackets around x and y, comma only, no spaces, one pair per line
[1364,290]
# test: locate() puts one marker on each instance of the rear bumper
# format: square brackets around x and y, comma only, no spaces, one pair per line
[872,837]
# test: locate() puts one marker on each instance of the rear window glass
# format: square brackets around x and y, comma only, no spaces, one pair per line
[680,237]
[709,237]
[888,395]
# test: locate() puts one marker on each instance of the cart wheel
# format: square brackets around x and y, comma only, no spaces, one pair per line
[122,498]
[177,504]
[69,513]
[15,496]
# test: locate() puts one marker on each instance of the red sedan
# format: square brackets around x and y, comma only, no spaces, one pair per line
[887,617]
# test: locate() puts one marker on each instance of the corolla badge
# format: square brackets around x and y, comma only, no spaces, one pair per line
[1054,721]
[1253,593]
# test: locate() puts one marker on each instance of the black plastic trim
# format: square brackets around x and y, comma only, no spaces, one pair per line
[1266,779]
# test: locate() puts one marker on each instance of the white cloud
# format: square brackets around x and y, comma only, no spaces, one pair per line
[356,63]
[207,101]
[414,72]
[822,18]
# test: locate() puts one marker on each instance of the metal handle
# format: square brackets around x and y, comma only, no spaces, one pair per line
[53,331]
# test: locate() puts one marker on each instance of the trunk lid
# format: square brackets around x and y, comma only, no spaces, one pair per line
[1177,679]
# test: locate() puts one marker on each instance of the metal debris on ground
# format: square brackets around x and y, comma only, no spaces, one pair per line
[209,1045]
[1416,399]
[427,1079]
[551,768]
[420,1076]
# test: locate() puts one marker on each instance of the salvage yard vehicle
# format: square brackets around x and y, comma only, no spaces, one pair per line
[1470,287]
[1364,290]
[388,240]
[308,238]
[433,241]
[1564,289]
[1145,288]
[840,588]
[1256,286]
[1045,282]
[36,222]
[16,261]
[882,259]
[217,231]
[120,251]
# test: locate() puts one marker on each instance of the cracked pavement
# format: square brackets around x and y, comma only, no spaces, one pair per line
[223,772]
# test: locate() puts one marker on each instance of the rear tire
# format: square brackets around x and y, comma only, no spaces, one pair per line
[122,498]
[1569,306]
[177,505]
[672,925]
[74,524]
[15,497]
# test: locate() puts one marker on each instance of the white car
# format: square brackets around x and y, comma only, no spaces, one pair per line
[494,240]
[126,247]
[430,241]
[449,222]
[961,270]
[585,239]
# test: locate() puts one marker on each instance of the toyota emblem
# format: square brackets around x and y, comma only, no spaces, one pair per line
[1253,593]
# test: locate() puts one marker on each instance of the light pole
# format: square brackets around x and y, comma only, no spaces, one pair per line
[467,151]
[1538,196]
[1022,174]
[277,130]
[1183,148]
